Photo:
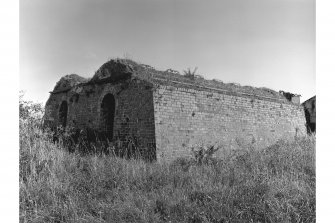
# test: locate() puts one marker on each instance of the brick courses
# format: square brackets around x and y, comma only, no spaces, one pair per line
[184,118]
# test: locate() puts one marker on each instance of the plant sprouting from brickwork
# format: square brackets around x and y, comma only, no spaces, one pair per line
[190,74]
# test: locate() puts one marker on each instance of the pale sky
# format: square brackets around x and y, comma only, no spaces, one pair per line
[262,43]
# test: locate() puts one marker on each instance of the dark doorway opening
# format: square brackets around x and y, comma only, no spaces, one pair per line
[107,115]
[63,114]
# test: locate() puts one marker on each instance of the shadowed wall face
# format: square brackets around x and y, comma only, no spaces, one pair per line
[107,115]
[310,112]
[120,111]
[63,114]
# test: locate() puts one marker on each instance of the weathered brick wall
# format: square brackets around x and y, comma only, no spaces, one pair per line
[167,120]
[134,117]
[185,117]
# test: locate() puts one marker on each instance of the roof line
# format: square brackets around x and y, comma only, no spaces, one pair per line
[221,90]
[189,84]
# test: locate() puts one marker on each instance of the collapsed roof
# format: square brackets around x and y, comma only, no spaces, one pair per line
[68,81]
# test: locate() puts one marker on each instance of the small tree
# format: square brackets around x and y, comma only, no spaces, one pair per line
[30,111]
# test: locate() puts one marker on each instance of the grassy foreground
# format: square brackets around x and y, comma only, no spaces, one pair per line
[272,185]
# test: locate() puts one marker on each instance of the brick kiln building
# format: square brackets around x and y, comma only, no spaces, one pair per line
[166,113]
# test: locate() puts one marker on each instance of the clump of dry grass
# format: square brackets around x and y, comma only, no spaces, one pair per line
[276,184]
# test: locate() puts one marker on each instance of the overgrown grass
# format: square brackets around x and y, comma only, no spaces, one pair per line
[276,184]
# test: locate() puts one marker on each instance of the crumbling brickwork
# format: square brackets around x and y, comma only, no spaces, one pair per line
[164,113]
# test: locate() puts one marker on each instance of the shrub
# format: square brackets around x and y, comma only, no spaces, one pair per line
[30,111]
[204,154]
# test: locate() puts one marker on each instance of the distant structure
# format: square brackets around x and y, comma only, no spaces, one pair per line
[165,113]
[310,113]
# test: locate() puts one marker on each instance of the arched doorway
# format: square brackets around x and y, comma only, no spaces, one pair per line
[107,115]
[63,114]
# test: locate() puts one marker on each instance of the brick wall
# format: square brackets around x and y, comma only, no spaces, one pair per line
[185,117]
[134,118]
[166,121]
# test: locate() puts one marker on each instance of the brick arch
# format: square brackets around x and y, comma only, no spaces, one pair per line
[107,115]
[63,113]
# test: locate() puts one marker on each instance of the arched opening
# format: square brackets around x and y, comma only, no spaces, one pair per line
[63,114]
[107,115]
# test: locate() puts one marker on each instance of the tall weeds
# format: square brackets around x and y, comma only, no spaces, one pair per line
[276,184]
